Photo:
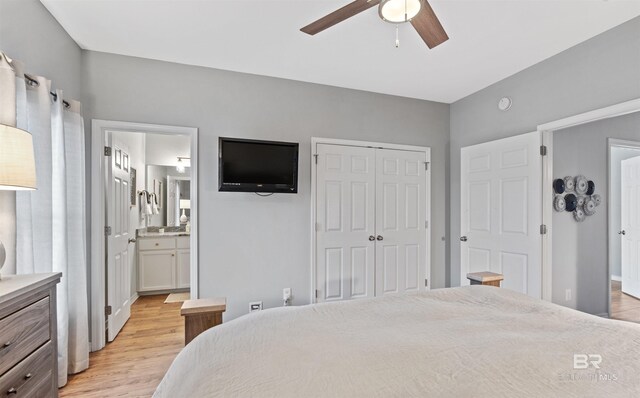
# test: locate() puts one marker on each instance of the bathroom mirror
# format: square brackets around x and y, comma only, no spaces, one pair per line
[178,200]
[171,189]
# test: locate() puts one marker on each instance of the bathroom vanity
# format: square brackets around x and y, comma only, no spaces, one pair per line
[163,262]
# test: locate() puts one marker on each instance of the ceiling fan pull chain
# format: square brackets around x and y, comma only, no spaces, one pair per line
[397,38]
[405,12]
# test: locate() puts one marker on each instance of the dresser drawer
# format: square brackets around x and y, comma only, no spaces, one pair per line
[31,377]
[156,244]
[22,332]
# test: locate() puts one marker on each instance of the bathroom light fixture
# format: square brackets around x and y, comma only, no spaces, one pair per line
[180,167]
[17,165]
[398,11]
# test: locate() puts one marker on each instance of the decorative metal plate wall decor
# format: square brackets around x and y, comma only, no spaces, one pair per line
[576,195]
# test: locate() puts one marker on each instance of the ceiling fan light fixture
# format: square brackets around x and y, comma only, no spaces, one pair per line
[399,11]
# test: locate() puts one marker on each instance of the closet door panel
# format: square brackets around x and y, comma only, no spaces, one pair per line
[400,221]
[345,217]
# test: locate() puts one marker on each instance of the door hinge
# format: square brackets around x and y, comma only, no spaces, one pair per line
[316,293]
[107,231]
[107,310]
[426,165]
[426,224]
[315,156]
[543,229]
[426,282]
[108,151]
[543,150]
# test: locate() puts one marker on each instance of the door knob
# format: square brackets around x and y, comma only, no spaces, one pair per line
[623,232]
[132,240]
[372,238]
[463,239]
[379,237]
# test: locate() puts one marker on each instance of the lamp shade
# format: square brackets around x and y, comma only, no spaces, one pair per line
[185,203]
[17,164]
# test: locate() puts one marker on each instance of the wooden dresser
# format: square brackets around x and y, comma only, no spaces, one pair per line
[28,337]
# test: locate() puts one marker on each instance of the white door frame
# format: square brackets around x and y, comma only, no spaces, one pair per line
[613,143]
[547,131]
[99,129]
[332,141]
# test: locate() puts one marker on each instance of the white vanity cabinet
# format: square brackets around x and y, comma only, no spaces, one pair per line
[163,263]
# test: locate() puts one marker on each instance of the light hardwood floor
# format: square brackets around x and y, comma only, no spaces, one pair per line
[135,362]
[623,306]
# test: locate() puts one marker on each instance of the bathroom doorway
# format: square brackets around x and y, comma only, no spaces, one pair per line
[144,201]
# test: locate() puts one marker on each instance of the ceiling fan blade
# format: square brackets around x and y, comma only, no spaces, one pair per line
[339,15]
[429,27]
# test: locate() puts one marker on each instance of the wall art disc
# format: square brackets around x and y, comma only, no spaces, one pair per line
[558,203]
[582,185]
[569,184]
[571,202]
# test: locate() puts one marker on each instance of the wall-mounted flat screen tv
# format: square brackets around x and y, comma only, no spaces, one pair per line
[257,166]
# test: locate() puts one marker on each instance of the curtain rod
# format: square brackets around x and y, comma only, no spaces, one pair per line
[33,82]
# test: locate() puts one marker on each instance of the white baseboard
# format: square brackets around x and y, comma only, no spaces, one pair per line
[616,278]
[134,298]
[603,315]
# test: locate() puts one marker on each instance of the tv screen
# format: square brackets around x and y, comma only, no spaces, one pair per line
[257,166]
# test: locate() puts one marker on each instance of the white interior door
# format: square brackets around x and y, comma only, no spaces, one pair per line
[501,211]
[345,226]
[118,259]
[401,227]
[630,221]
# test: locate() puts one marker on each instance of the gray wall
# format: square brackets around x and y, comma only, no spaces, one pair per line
[580,249]
[618,154]
[30,34]
[251,247]
[599,72]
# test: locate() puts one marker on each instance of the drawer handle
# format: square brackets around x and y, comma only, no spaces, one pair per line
[7,344]
[157,244]
[28,376]
[12,391]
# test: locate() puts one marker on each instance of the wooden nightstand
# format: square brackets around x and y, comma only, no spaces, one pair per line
[485,278]
[200,315]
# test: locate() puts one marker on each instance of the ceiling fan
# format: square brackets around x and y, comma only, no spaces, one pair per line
[418,12]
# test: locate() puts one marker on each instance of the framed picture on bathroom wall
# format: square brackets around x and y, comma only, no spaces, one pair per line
[158,188]
[160,194]
[132,185]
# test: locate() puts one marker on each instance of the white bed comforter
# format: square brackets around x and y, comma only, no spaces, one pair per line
[473,341]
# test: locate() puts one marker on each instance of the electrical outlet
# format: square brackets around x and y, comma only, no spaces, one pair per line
[286,294]
[255,306]
[567,295]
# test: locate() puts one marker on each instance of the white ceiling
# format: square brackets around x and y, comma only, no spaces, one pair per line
[489,40]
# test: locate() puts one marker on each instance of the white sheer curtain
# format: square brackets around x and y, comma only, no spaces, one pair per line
[51,221]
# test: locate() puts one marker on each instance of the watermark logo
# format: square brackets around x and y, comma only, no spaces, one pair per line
[587,369]
[584,361]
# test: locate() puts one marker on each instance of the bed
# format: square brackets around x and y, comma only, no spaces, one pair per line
[470,341]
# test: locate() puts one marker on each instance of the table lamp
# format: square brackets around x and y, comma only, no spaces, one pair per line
[17,165]
[184,204]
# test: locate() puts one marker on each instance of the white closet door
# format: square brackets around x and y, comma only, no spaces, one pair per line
[630,212]
[400,221]
[501,211]
[345,190]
